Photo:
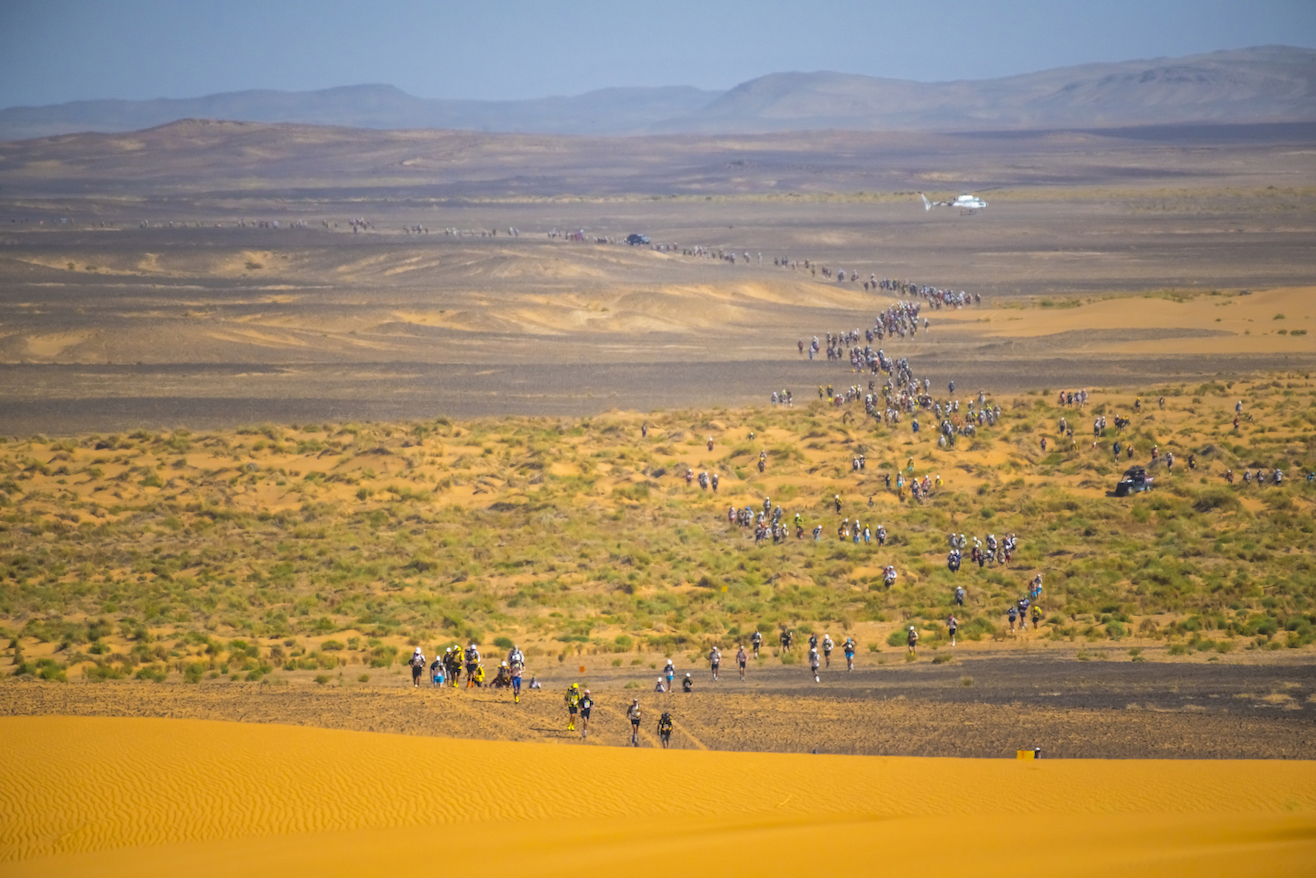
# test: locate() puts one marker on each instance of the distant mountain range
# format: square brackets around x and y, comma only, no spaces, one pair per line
[1262,84]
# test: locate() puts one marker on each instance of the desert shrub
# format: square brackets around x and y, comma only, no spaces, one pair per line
[42,669]
[154,673]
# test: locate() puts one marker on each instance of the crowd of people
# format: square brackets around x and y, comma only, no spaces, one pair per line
[447,669]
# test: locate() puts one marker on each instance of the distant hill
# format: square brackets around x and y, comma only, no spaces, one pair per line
[1244,86]
[1247,86]
[606,111]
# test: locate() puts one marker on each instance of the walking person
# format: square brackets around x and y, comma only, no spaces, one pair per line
[714,661]
[518,668]
[665,730]
[741,659]
[572,699]
[633,714]
[670,673]
[952,625]
[417,667]
[472,657]
[756,641]
[586,705]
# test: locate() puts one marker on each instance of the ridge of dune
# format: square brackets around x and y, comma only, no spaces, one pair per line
[114,795]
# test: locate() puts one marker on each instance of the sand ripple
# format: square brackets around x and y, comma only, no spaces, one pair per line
[77,785]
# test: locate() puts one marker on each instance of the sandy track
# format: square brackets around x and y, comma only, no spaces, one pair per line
[927,722]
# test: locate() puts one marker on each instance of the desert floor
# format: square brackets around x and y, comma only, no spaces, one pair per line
[131,297]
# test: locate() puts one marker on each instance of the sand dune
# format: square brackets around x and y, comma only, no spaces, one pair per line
[1259,322]
[142,796]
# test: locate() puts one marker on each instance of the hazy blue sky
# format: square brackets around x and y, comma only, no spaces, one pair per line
[61,50]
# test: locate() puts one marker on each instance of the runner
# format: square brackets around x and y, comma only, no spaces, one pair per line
[848,648]
[665,730]
[827,649]
[472,663]
[741,659]
[586,704]
[436,672]
[952,625]
[454,663]
[573,704]
[633,714]
[518,667]
[959,596]
[756,641]
[687,685]
[417,667]
[714,661]
[813,664]
[911,639]
[670,673]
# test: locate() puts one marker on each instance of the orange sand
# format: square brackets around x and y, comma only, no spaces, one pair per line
[1247,324]
[183,797]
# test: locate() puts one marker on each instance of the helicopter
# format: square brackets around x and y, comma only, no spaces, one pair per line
[968,204]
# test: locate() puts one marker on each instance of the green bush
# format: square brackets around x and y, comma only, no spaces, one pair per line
[154,673]
[42,669]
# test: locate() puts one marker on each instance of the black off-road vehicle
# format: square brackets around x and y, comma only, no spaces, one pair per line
[1135,480]
[637,240]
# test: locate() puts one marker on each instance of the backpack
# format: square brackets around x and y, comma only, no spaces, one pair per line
[665,723]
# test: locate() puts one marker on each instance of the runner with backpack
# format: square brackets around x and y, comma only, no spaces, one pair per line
[665,730]
[848,648]
[572,699]
[518,668]
[633,714]
[417,667]
[586,705]
[472,657]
